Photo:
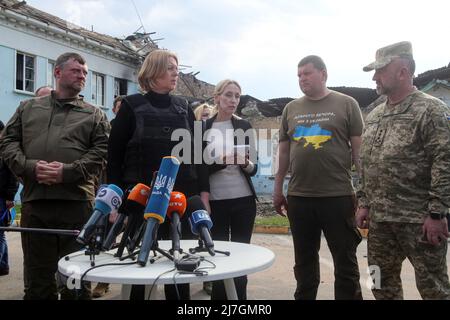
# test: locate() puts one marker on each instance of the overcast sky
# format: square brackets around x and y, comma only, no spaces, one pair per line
[259,42]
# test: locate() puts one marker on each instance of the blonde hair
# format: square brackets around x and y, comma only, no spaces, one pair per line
[199,111]
[154,66]
[220,88]
[116,100]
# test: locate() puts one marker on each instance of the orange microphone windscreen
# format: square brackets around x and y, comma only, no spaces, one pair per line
[140,194]
[177,203]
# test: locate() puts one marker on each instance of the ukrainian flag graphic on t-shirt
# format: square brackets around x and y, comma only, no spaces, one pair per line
[313,135]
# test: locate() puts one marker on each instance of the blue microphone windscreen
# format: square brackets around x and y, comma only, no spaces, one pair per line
[100,188]
[201,217]
[165,180]
[116,189]
[108,198]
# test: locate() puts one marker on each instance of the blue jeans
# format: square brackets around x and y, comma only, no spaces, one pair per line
[3,252]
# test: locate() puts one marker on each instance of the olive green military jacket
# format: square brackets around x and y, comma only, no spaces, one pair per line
[405,156]
[74,133]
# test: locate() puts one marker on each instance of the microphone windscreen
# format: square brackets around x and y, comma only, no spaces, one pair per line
[198,215]
[194,203]
[163,186]
[139,194]
[177,203]
[108,198]
[102,186]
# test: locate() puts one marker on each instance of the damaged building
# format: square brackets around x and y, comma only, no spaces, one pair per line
[32,40]
[266,115]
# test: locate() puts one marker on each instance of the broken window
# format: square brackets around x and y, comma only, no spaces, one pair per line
[25,66]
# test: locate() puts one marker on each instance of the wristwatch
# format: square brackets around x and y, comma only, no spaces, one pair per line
[437,215]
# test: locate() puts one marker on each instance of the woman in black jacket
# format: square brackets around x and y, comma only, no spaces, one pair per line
[141,137]
[231,146]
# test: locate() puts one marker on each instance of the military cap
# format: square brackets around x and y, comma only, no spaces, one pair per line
[385,55]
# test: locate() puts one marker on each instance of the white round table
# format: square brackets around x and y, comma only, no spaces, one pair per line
[243,259]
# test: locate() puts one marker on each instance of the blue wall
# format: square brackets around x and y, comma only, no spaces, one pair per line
[264,183]
[10,99]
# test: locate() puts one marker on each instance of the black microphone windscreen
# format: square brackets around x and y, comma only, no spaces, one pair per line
[133,208]
[194,203]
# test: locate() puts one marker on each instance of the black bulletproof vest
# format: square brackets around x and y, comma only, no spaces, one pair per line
[151,139]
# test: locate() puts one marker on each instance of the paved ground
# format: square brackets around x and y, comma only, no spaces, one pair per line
[275,283]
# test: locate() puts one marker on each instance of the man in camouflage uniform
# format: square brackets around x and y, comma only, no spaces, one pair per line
[56,145]
[405,187]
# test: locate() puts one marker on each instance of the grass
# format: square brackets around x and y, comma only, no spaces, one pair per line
[275,221]
[272,220]
[18,208]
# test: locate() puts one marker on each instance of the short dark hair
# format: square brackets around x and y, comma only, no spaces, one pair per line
[2,126]
[62,59]
[316,61]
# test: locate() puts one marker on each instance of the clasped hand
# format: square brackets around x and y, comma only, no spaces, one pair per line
[49,173]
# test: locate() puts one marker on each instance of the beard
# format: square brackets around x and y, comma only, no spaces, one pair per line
[382,90]
[75,88]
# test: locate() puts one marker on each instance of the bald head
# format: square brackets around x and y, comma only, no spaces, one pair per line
[43,91]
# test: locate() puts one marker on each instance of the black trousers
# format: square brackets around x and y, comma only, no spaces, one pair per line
[308,217]
[233,220]
[42,252]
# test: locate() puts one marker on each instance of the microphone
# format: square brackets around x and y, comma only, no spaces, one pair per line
[134,205]
[157,205]
[108,198]
[175,211]
[200,222]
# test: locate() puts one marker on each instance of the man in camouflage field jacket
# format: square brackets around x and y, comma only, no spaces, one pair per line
[405,191]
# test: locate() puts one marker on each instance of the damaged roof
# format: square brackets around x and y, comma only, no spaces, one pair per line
[437,74]
[274,107]
[20,7]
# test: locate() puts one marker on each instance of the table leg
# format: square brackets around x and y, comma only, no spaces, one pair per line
[230,289]
[153,294]
[125,292]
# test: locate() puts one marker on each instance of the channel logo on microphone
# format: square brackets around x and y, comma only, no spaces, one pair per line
[165,180]
[177,200]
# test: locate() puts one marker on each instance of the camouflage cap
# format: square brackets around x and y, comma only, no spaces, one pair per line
[385,55]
